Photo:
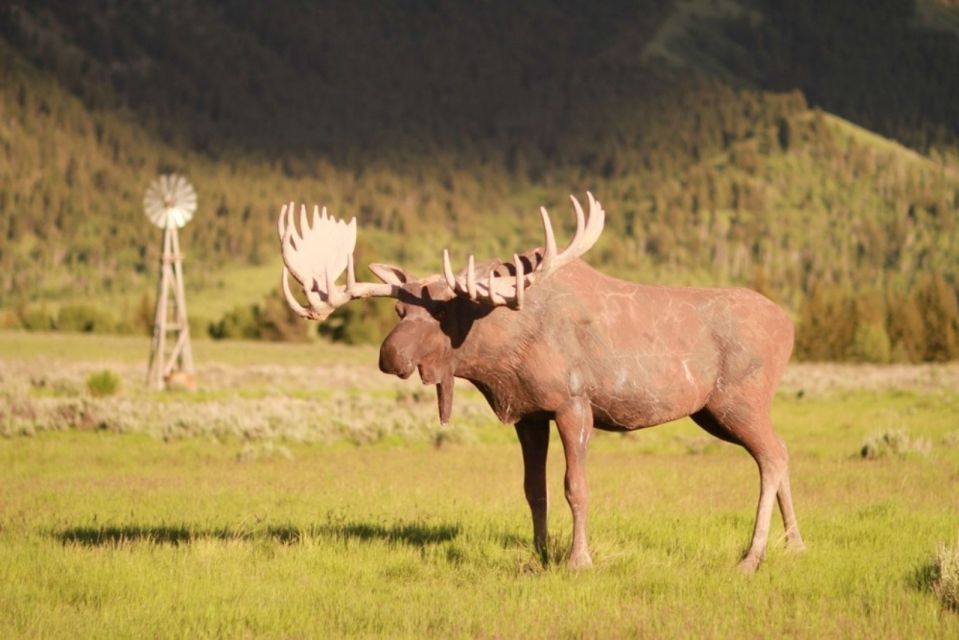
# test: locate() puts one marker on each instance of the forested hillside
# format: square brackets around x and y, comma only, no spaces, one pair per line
[740,149]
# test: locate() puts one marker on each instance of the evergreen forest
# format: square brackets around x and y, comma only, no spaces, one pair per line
[809,150]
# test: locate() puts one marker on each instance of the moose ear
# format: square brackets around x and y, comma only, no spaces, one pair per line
[390,274]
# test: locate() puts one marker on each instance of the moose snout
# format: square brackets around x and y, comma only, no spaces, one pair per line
[394,362]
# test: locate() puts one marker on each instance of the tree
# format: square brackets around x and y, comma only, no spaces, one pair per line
[935,299]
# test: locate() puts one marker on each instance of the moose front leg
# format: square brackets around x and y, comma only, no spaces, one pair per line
[533,436]
[575,425]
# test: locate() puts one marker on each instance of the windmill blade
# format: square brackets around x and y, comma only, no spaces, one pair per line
[170,201]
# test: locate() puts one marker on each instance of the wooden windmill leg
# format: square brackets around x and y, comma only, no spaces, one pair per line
[158,363]
[183,341]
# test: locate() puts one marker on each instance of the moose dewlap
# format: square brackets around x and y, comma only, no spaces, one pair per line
[547,337]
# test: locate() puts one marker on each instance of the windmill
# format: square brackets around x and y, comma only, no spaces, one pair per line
[169,203]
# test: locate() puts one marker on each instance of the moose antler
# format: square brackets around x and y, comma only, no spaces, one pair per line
[316,254]
[510,290]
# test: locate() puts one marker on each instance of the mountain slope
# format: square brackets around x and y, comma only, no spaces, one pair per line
[447,125]
[890,67]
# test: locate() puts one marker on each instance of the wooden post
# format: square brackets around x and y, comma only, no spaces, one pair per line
[180,358]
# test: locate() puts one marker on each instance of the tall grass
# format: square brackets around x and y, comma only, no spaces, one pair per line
[103,383]
[129,536]
[291,502]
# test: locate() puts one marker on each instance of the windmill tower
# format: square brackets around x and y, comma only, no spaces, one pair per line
[169,203]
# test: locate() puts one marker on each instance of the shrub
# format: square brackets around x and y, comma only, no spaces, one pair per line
[240,323]
[895,442]
[936,301]
[446,436]
[361,322]
[277,322]
[9,319]
[945,576]
[36,318]
[827,324]
[870,343]
[103,383]
[143,316]
[84,318]
[272,320]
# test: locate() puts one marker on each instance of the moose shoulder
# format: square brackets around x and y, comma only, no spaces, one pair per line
[547,337]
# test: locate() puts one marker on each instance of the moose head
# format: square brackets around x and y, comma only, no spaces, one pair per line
[437,314]
[546,337]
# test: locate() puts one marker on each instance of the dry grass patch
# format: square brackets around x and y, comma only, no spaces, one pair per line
[945,576]
[819,378]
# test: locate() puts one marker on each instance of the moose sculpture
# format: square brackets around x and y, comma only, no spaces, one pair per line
[547,337]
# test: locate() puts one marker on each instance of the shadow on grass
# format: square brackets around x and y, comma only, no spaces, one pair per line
[554,556]
[415,534]
[412,534]
[923,577]
[106,536]
[928,578]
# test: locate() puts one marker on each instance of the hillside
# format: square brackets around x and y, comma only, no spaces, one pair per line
[447,125]
[890,68]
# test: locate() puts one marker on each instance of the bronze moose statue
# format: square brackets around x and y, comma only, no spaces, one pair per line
[547,337]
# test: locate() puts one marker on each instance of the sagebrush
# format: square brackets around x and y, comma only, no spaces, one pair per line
[945,575]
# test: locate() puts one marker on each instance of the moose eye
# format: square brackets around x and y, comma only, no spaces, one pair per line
[440,313]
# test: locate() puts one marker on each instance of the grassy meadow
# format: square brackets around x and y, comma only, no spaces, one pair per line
[301,493]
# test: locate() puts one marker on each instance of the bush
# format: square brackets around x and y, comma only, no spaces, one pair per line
[36,318]
[273,320]
[936,301]
[84,318]
[896,442]
[827,324]
[945,576]
[277,322]
[238,324]
[143,316]
[9,320]
[870,343]
[103,383]
[361,322]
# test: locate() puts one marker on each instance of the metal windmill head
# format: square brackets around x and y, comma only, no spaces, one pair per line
[169,201]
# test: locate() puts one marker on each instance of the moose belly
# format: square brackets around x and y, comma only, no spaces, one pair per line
[650,391]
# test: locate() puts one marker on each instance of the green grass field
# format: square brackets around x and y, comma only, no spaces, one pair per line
[346,512]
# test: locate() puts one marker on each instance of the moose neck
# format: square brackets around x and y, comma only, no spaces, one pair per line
[491,356]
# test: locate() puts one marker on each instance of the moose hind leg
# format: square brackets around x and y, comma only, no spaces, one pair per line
[753,430]
[772,470]
[575,425]
[534,440]
[793,538]
[709,423]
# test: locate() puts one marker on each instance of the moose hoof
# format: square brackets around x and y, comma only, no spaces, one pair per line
[795,546]
[748,565]
[540,544]
[580,561]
